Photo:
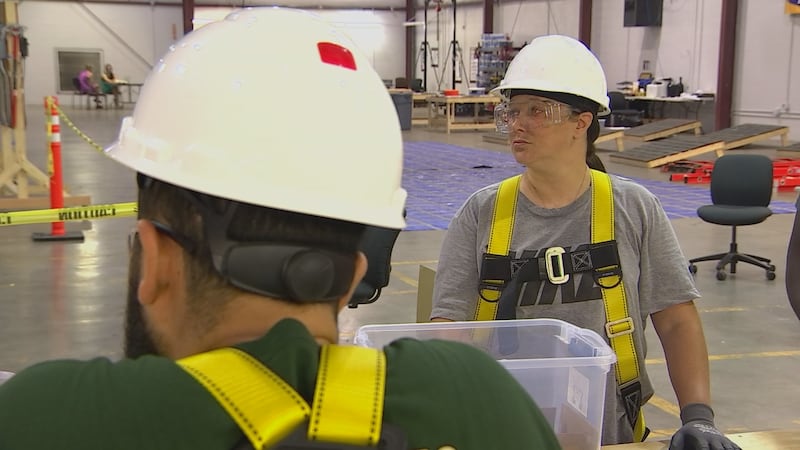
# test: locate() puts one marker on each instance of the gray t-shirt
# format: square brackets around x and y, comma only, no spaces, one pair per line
[655,271]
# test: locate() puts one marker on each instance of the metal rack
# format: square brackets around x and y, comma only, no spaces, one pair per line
[494,54]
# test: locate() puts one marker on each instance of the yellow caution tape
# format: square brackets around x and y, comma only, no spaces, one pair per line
[91,212]
[80,133]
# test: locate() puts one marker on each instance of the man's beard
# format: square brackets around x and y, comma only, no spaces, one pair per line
[138,338]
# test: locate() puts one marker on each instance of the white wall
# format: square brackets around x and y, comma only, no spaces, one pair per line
[523,21]
[767,61]
[147,31]
[685,45]
[378,34]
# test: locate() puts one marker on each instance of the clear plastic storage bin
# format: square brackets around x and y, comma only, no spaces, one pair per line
[563,367]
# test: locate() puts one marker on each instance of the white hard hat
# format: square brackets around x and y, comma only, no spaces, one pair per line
[272,107]
[558,64]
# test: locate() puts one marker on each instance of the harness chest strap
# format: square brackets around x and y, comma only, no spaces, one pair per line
[619,325]
[348,398]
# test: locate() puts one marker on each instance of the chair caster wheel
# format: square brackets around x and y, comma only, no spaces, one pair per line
[721,275]
[770,275]
[771,268]
[692,269]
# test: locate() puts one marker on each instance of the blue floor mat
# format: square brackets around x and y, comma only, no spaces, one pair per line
[440,177]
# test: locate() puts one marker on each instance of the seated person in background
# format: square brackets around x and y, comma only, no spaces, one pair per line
[88,85]
[110,83]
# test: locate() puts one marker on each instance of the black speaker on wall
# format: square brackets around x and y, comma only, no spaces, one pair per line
[642,13]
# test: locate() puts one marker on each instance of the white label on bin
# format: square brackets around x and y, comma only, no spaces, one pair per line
[578,391]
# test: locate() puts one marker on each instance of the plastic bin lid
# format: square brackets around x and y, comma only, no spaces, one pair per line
[567,344]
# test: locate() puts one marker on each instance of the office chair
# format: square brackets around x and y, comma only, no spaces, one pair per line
[621,113]
[76,94]
[401,83]
[741,189]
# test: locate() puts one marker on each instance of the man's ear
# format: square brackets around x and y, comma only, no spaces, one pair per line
[151,261]
[358,274]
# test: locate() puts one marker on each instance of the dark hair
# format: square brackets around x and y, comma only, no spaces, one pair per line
[207,289]
[592,160]
[579,105]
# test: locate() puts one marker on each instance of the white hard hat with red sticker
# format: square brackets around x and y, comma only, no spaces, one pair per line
[273,107]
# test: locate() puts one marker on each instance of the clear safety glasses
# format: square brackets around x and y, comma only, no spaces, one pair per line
[533,114]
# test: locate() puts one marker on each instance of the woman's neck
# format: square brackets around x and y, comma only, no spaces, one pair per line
[555,189]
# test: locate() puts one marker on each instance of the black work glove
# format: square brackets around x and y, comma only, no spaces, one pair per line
[698,431]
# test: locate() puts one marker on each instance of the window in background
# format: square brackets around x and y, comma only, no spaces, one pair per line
[73,61]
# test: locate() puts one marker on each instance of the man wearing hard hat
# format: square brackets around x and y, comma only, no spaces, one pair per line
[252,204]
[578,245]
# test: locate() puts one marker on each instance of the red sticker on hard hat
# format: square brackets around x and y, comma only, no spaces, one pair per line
[336,55]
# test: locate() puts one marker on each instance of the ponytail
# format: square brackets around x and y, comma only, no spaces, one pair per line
[592,160]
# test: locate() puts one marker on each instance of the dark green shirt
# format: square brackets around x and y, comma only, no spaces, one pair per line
[441,393]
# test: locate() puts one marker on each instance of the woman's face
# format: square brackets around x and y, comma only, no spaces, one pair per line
[538,127]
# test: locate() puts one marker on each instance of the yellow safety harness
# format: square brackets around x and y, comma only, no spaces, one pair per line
[619,325]
[348,397]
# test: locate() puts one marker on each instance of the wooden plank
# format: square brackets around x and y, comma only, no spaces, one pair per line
[608,135]
[760,440]
[718,148]
[496,138]
[658,153]
[23,204]
[759,137]
[748,133]
[472,126]
[662,128]
[789,151]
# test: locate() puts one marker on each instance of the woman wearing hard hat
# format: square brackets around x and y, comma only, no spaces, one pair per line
[568,242]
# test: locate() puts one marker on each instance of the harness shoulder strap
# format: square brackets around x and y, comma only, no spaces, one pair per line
[502,227]
[619,325]
[348,398]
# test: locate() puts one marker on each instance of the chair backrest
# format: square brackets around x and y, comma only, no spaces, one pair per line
[76,83]
[617,100]
[401,83]
[742,180]
[416,85]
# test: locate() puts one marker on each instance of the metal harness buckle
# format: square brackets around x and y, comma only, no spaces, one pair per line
[620,330]
[551,254]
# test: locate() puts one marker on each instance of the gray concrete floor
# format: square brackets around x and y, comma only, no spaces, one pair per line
[66,300]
